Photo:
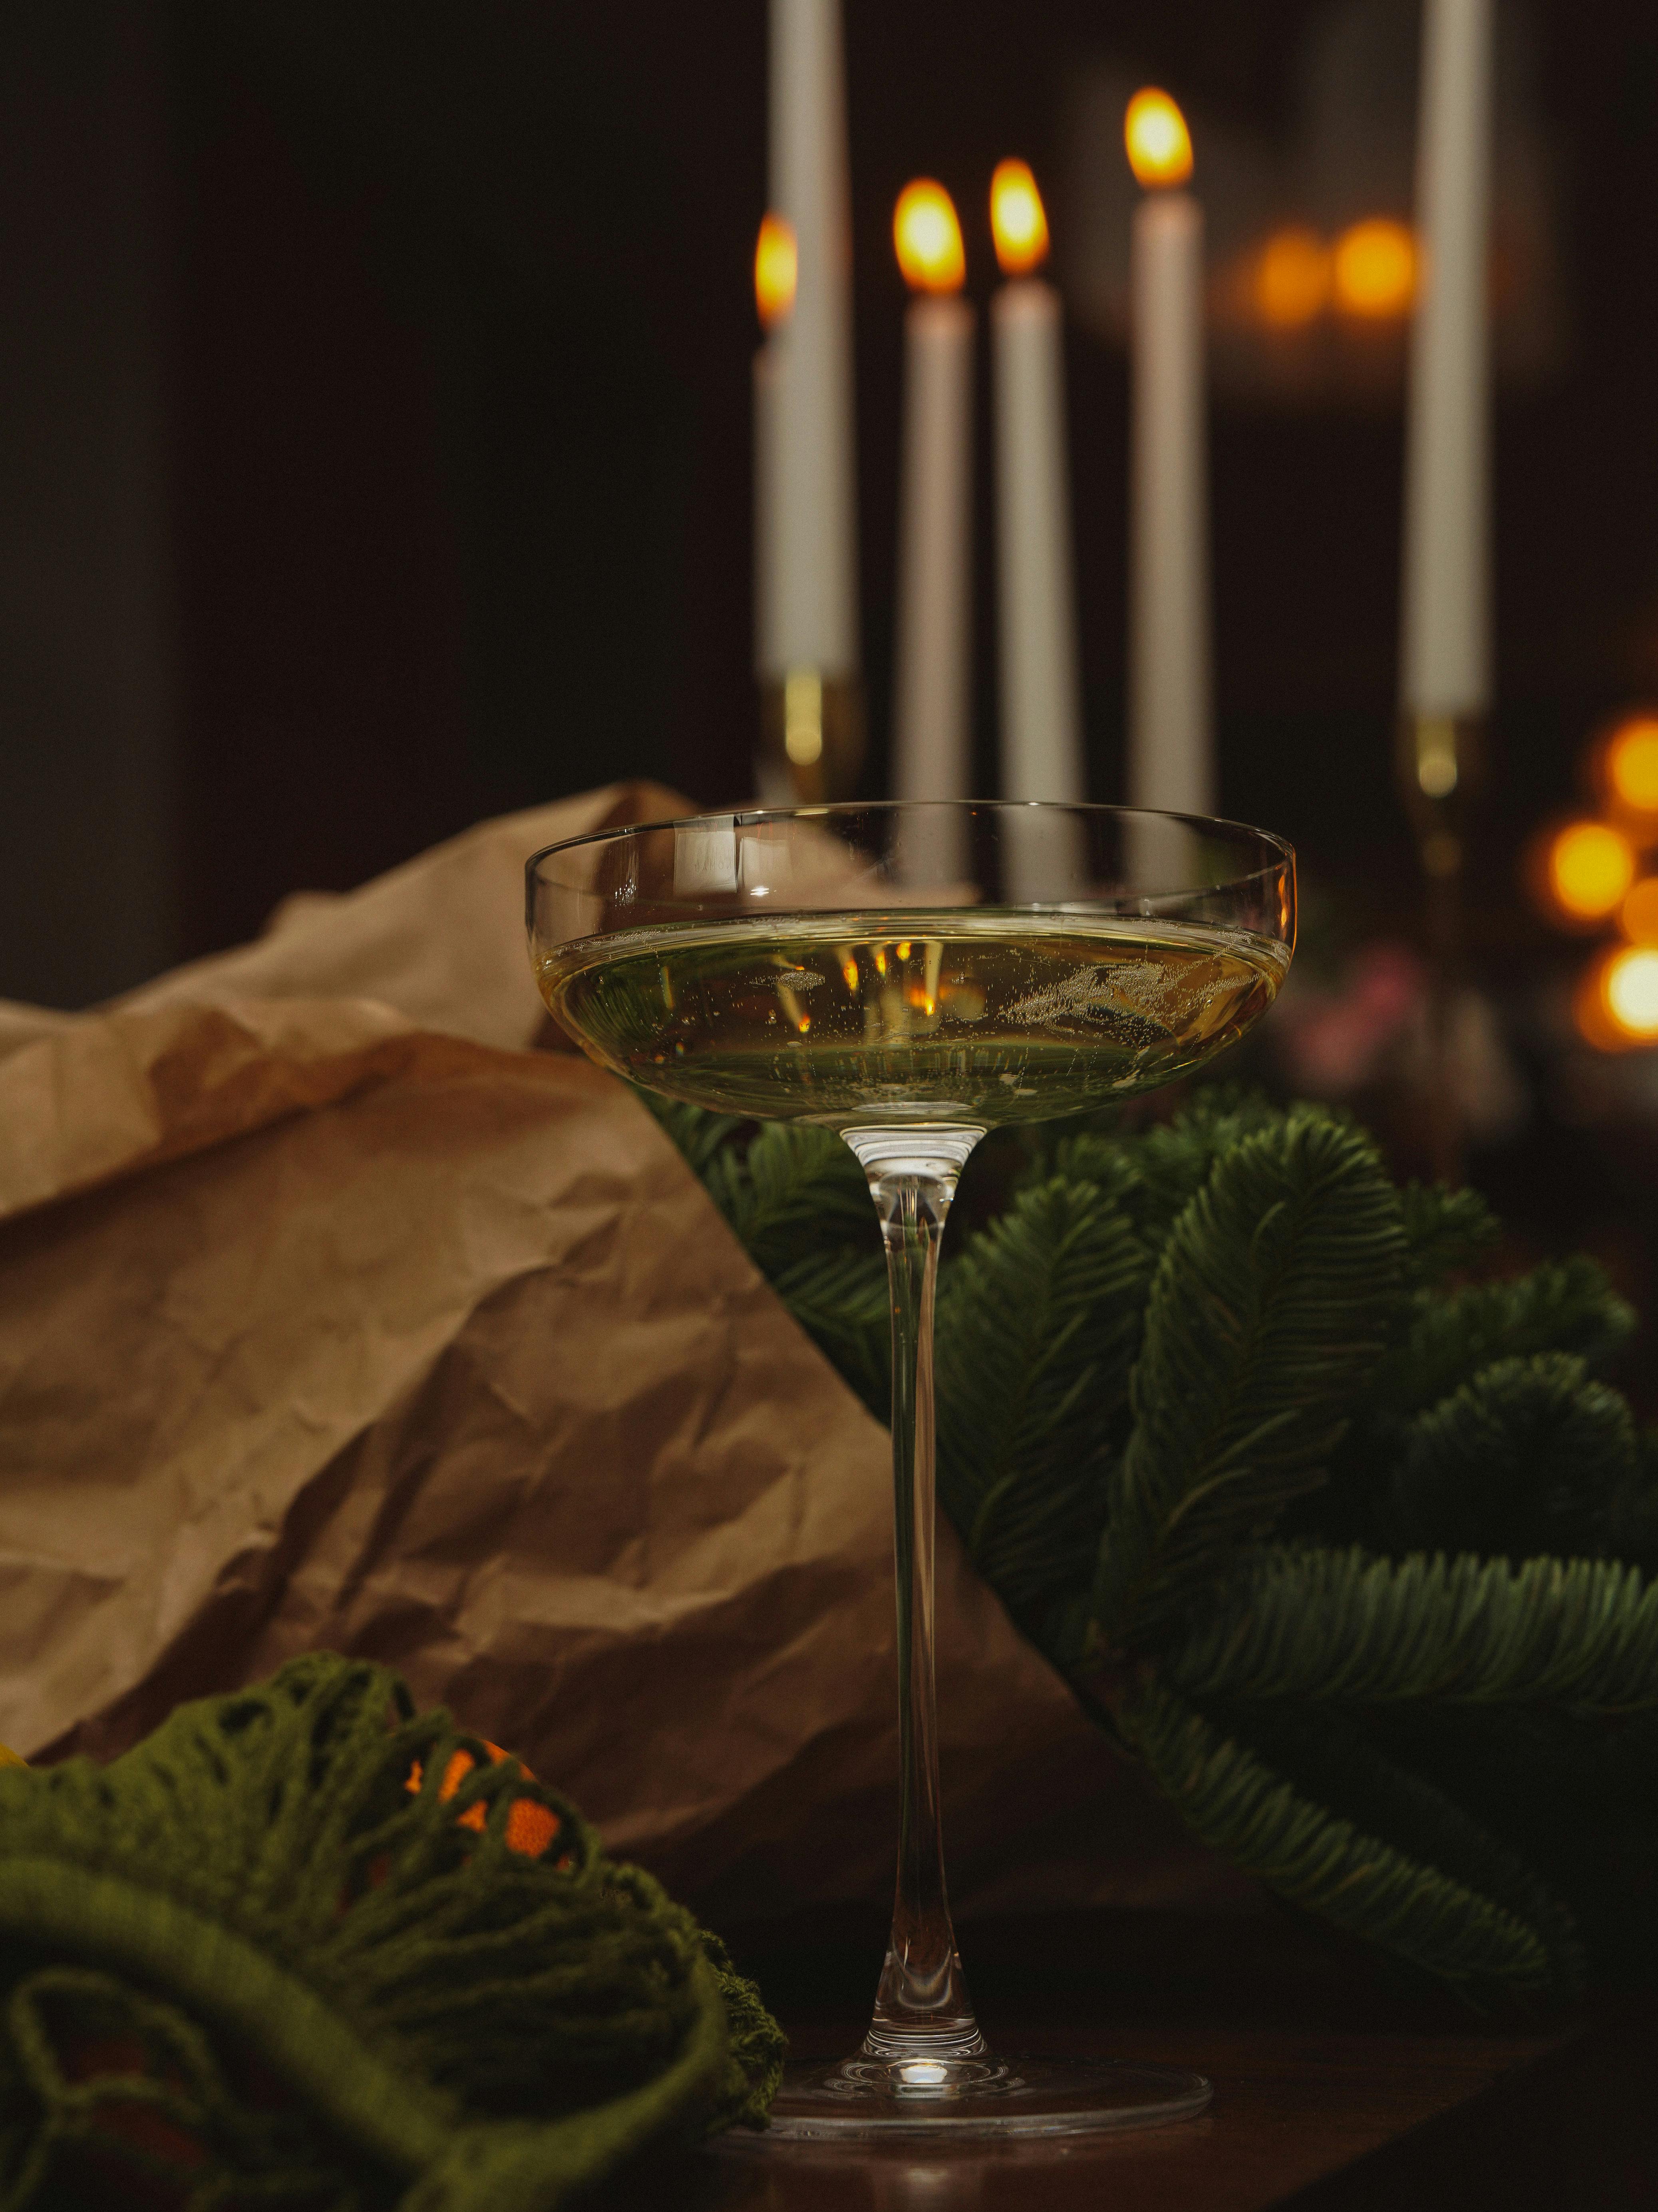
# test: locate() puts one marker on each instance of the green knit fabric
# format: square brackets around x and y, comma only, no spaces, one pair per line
[246,1964]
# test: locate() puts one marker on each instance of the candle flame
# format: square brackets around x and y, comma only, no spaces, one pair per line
[1159,144]
[1292,277]
[1629,764]
[1375,268]
[1018,220]
[1590,868]
[928,238]
[776,269]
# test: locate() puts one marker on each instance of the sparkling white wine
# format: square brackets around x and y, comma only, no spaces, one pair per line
[860,1019]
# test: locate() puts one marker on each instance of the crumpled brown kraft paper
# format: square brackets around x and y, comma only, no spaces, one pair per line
[329,1316]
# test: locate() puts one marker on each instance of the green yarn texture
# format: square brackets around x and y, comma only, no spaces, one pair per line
[246,1964]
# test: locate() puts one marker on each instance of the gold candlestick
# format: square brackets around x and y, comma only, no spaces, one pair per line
[1439,759]
[811,737]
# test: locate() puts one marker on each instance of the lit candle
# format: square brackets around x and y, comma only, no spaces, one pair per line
[1445,673]
[931,721]
[1171,749]
[809,642]
[775,268]
[1041,706]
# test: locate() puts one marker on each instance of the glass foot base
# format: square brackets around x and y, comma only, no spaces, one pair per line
[865,2098]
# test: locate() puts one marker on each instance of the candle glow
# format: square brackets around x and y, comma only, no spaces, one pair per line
[1638,916]
[777,269]
[1629,765]
[1617,1002]
[1292,277]
[1375,269]
[1019,221]
[1590,868]
[1158,142]
[928,238]
[1631,991]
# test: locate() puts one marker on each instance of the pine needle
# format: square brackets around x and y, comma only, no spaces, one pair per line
[1268,1308]
[1038,1326]
[1343,1626]
[1236,1802]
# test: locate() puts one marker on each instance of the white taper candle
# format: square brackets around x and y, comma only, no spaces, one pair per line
[931,702]
[1040,687]
[1171,744]
[813,594]
[1445,657]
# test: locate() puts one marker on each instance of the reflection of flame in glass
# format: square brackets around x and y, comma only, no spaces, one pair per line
[776,270]
[928,238]
[1630,764]
[1158,142]
[1292,277]
[1375,268]
[1018,220]
[1591,867]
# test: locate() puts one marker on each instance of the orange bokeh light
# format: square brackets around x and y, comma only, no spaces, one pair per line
[1292,278]
[1590,867]
[1629,764]
[928,238]
[1158,142]
[1638,915]
[1375,269]
[1616,1007]
[777,269]
[1019,221]
[1630,991]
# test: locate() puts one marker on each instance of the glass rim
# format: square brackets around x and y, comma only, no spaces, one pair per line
[733,817]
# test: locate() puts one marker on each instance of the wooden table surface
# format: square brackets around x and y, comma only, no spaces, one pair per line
[1333,2091]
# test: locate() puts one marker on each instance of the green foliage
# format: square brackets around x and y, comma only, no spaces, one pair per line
[1347,1544]
[1529,1455]
[1333,1756]
[1039,1330]
[1275,1289]
[1446,1230]
[1343,1626]
[790,1190]
[1326,1864]
[842,1303]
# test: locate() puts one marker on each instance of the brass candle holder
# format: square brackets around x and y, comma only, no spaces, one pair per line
[1440,761]
[812,737]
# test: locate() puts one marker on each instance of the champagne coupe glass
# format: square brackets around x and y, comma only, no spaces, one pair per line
[912,975]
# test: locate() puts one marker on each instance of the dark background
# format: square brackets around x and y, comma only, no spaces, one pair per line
[375,442]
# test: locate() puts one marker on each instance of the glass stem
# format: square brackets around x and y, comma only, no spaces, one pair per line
[922,2006]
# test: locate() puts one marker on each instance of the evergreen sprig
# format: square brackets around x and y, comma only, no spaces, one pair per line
[1349,1548]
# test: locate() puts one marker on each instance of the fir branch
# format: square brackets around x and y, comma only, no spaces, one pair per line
[1037,1327]
[1171,1162]
[1329,1755]
[1504,1499]
[1632,1513]
[1567,1305]
[843,1302]
[1446,1230]
[700,1136]
[795,1187]
[1238,1804]
[1344,1626]
[1574,1795]
[1525,1459]
[1267,1309]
